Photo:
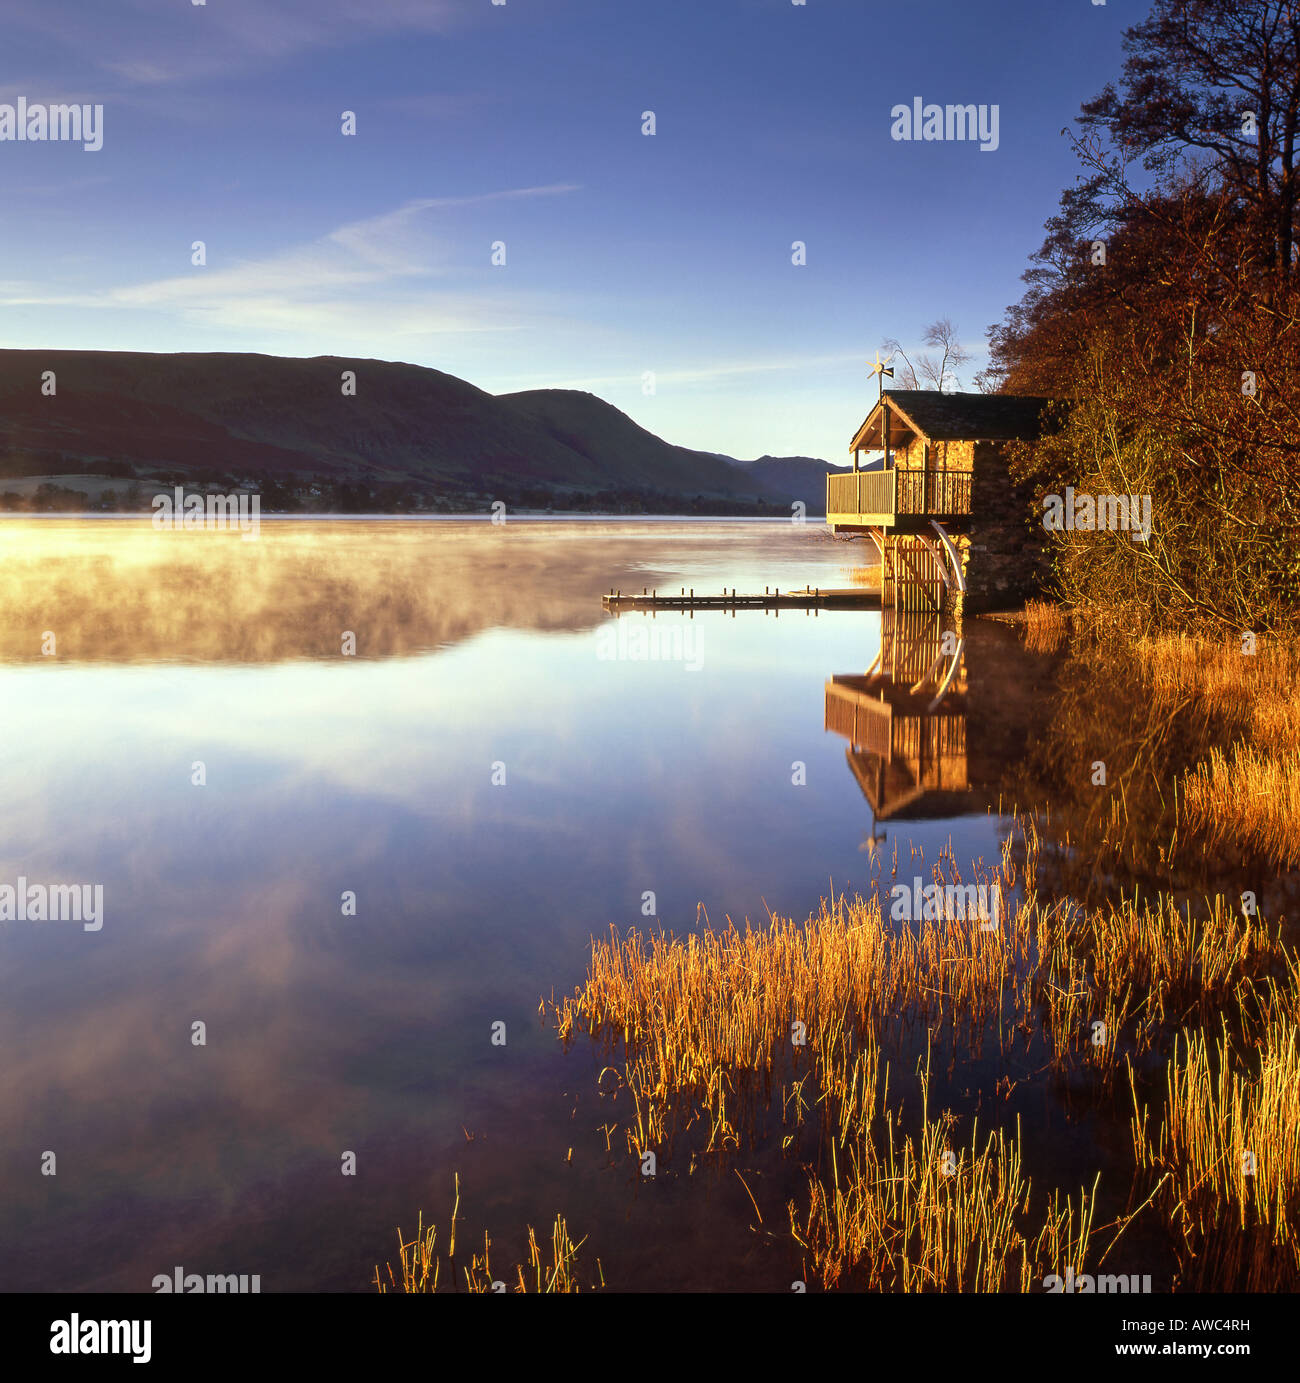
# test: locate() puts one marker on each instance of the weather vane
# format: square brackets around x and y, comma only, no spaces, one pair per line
[880,368]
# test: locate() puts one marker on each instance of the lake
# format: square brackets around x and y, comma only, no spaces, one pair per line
[494,777]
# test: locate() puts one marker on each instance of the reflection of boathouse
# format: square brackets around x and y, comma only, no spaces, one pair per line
[905,720]
[935,724]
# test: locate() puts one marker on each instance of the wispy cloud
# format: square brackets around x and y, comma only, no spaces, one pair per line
[143,43]
[699,374]
[360,281]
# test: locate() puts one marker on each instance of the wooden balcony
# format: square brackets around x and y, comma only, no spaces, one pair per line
[900,499]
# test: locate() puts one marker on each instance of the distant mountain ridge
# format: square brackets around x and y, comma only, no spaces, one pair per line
[410,437]
[800,477]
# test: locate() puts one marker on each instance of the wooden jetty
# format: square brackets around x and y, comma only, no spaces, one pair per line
[688,599]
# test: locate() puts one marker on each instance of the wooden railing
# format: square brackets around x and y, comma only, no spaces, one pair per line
[860,492]
[876,725]
[934,492]
[931,739]
[896,491]
[863,721]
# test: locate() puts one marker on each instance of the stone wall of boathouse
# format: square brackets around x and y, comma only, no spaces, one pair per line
[1005,554]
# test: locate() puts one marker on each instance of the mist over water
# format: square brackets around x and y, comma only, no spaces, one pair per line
[478,655]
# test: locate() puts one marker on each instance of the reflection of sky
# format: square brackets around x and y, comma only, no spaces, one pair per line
[326,1032]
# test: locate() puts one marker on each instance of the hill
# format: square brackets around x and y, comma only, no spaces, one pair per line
[798,477]
[120,424]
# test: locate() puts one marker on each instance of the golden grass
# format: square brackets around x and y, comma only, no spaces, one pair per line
[710,1025]
[1139,967]
[1275,722]
[708,1021]
[705,1020]
[1248,797]
[1260,690]
[1248,791]
[1162,962]
[1046,626]
[420,1265]
[1229,1135]
[924,1215]
[1237,715]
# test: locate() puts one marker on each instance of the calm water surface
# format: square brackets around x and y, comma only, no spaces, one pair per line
[478,652]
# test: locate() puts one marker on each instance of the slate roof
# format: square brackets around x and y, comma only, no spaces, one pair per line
[970,417]
[952,418]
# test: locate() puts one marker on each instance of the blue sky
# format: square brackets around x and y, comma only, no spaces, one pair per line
[521,123]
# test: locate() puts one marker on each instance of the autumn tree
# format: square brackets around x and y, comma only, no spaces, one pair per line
[1168,316]
[1217,80]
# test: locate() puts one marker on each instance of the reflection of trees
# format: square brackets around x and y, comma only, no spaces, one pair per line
[991,725]
[1103,840]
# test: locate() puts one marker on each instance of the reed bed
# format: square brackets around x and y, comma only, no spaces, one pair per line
[1247,797]
[1046,626]
[1259,691]
[1177,959]
[1246,791]
[1082,1025]
[708,1021]
[1207,736]
[1140,968]
[1160,962]
[922,1215]
[1231,1129]
[1229,1135]
[789,1020]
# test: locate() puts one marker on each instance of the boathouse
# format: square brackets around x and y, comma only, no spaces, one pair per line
[939,502]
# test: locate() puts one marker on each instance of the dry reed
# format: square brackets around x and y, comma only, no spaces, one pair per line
[925,1216]
[1046,625]
[1246,791]
[420,1265]
[1247,797]
[790,1017]
[708,1019]
[1229,1138]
